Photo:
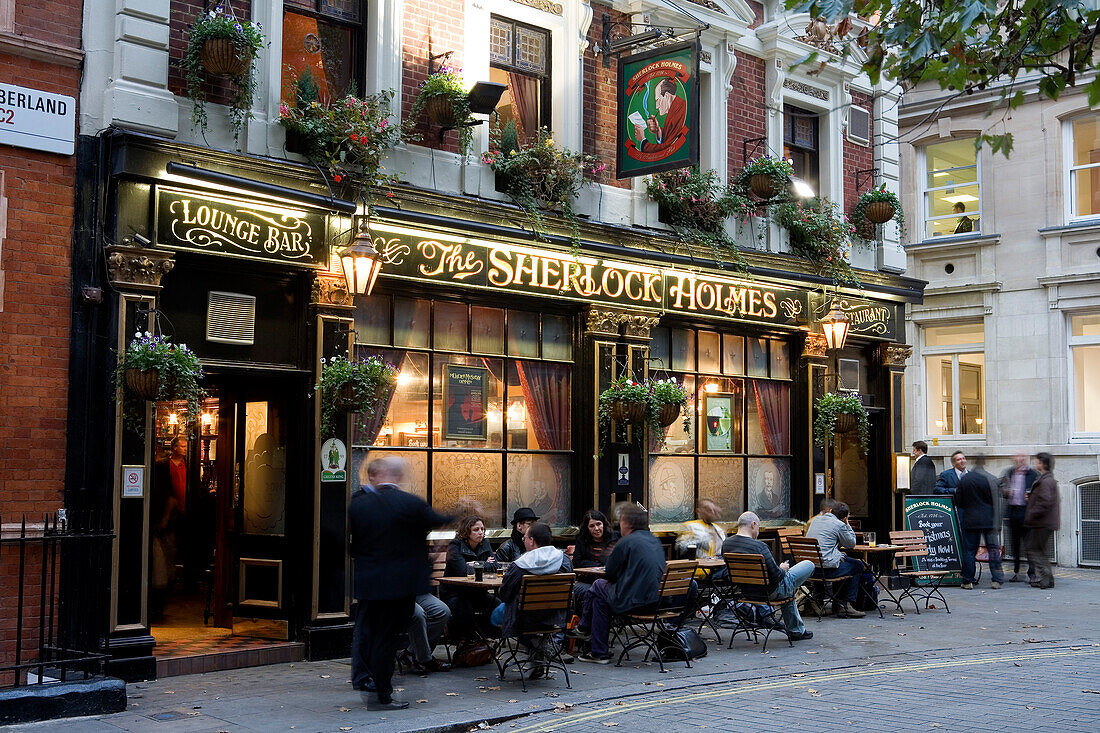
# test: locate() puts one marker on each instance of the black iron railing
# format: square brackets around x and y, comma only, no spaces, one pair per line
[53,598]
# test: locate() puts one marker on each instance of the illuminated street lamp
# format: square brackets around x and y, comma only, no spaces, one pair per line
[835,325]
[361,262]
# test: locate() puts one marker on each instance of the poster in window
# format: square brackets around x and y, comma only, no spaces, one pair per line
[465,402]
[658,126]
[770,487]
[718,414]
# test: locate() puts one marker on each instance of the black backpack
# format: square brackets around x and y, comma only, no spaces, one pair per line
[867,597]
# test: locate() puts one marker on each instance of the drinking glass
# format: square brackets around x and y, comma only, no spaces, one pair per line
[871,539]
[471,569]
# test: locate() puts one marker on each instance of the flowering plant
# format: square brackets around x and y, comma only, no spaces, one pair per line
[820,233]
[540,174]
[866,229]
[247,38]
[672,393]
[348,137]
[697,205]
[446,86]
[178,369]
[361,386]
[779,170]
[829,406]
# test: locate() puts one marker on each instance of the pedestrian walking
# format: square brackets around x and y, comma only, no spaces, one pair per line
[976,504]
[922,474]
[1043,516]
[389,544]
[1016,485]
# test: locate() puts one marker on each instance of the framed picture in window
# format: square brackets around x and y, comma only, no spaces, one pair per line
[718,413]
[465,402]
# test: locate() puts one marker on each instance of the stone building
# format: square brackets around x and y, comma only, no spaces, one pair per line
[1007,341]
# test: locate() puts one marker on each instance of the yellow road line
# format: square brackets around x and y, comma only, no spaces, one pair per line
[809,679]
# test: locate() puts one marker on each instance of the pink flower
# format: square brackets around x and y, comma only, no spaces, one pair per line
[384,123]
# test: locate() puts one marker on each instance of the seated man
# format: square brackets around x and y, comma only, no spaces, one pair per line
[783,580]
[513,547]
[826,508]
[632,580]
[539,558]
[703,533]
[833,533]
[430,617]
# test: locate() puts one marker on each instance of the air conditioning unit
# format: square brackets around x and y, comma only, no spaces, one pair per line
[859,125]
[231,318]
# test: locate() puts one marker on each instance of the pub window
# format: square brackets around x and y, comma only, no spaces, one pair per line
[1084,169]
[1084,344]
[736,448]
[519,58]
[952,194]
[482,407]
[800,144]
[954,373]
[325,37]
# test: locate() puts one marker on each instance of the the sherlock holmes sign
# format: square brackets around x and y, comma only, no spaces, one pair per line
[414,255]
[658,125]
[204,222]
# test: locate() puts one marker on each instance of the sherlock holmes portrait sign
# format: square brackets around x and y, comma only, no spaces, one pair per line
[658,126]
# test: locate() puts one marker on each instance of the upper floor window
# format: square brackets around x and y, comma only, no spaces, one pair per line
[519,58]
[1084,345]
[1084,170]
[800,144]
[326,37]
[952,193]
[954,366]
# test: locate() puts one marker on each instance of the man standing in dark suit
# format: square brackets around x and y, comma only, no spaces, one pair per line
[922,474]
[389,544]
[949,479]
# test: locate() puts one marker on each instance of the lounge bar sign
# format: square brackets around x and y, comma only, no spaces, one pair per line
[240,228]
[416,255]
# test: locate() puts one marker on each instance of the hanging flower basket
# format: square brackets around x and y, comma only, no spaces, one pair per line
[440,111]
[879,212]
[763,186]
[345,399]
[841,413]
[222,56]
[668,414]
[145,383]
[353,385]
[845,423]
[631,413]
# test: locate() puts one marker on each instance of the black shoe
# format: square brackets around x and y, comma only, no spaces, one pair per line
[373,703]
[800,637]
[367,686]
[593,659]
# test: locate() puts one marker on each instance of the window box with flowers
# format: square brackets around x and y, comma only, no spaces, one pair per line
[766,176]
[153,368]
[348,138]
[696,205]
[360,386]
[221,45]
[820,233]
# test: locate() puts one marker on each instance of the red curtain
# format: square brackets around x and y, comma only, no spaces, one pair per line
[525,98]
[372,424]
[773,407]
[546,394]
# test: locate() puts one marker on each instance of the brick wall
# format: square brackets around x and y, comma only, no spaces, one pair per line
[747,115]
[857,158]
[431,27]
[183,14]
[55,21]
[758,11]
[600,104]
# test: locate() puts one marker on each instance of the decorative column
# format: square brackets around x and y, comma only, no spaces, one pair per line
[815,359]
[892,358]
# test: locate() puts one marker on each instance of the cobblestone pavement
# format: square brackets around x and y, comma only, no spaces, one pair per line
[1011,659]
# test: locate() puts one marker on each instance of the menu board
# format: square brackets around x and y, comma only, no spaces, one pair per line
[935,515]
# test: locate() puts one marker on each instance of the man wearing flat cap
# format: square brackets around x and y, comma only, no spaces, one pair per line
[514,547]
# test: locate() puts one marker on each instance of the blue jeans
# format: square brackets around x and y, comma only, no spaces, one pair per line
[791,582]
[496,618]
[972,538]
[848,566]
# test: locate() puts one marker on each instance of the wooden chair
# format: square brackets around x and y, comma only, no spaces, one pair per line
[914,544]
[806,548]
[784,533]
[546,595]
[751,606]
[644,625]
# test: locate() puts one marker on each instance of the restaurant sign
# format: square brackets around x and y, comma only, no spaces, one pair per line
[416,255]
[871,318]
[205,222]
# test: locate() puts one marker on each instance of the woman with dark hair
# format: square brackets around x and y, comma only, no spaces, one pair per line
[469,545]
[595,541]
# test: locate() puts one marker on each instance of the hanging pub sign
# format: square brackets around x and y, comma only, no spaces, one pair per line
[220,225]
[658,125]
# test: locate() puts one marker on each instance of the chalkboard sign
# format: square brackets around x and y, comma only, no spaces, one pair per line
[935,515]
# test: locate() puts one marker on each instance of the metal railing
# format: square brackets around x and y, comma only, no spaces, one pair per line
[51,585]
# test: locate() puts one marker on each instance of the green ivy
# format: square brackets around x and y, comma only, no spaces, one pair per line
[369,378]
[829,406]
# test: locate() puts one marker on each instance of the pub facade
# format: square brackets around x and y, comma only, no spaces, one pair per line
[503,334]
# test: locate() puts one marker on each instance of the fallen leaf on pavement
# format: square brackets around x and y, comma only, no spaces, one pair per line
[480,679]
[1029,707]
[422,700]
[513,701]
[345,727]
[345,710]
[623,702]
[452,694]
[325,676]
[1031,641]
[1094,692]
[563,706]
[797,674]
[859,638]
[610,723]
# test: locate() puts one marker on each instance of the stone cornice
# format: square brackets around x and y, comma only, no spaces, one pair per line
[32,48]
[928,245]
[1072,277]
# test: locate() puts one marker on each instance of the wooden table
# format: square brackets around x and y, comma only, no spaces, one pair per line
[489,584]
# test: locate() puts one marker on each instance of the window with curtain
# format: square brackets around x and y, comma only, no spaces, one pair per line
[1084,167]
[954,377]
[519,58]
[952,189]
[1084,344]
[800,144]
[736,446]
[482,405]
[325,37]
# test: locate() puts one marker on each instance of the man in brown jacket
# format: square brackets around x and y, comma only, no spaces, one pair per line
[1042,519]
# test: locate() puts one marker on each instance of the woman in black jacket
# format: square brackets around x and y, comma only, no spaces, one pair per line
[468,605]
[595,541]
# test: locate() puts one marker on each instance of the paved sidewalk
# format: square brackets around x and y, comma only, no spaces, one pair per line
[953,667]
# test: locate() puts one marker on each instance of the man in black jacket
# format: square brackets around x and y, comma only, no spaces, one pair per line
[977,522]
[922,474]
[632,580]
[514,546]
[1016,485]
[389,545]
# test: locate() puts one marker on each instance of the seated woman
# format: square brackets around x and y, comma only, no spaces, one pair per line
[467,604]
[595,541]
